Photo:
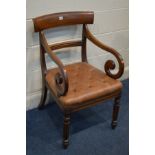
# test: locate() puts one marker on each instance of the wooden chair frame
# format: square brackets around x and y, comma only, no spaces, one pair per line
[61,78]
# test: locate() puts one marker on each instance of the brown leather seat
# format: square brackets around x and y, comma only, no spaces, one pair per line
[86,83]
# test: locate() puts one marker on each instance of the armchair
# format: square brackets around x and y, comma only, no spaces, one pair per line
[64,82]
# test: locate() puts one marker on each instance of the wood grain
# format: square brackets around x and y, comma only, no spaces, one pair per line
[62,19]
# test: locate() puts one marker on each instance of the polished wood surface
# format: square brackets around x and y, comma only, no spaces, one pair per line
[110,64]
[44,71]
[62,19]
[66,130]
[84,45]
[65,44]
[61,77]
[115,111]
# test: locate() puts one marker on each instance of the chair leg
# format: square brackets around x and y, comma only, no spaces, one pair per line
[115,111]
[43,97]
[66,130]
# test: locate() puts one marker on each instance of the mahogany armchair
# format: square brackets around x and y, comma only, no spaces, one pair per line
[64,82]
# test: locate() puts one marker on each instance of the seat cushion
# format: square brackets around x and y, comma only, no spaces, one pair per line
[86,83]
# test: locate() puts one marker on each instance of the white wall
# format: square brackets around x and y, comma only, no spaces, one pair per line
[110,26]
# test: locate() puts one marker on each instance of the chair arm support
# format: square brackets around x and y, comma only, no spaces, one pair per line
[61,78]
[110,64]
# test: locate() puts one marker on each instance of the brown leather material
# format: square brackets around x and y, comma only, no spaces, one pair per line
[77,86]
[85,84]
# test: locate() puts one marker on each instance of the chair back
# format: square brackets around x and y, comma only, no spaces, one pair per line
[63,19]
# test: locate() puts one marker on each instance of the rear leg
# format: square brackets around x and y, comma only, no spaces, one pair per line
[43,96]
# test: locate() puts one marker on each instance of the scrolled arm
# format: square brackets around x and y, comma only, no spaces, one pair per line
[110,64]
[61,78]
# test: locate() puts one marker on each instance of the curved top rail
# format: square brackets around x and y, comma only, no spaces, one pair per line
[62,19]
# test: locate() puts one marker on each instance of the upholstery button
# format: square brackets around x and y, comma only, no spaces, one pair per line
[74,82]
[91,69]
[89,86]
[78,67]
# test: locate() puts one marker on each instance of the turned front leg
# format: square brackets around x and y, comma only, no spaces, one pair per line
[115,111]
[66,130]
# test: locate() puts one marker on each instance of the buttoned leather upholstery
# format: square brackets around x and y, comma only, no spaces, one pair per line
[85,84]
